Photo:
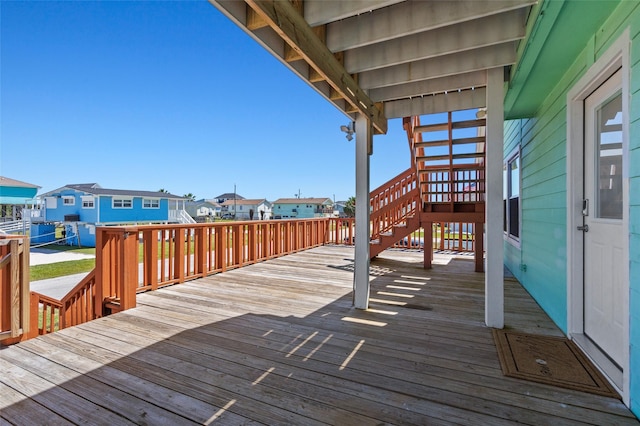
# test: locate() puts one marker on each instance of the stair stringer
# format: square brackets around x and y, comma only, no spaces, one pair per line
[398,232]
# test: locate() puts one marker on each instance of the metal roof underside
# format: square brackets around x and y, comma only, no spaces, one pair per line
[391,59]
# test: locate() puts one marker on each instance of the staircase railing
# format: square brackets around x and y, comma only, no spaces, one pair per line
[392,203]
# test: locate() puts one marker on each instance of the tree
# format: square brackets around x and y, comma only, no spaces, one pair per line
[163,191]
[190,197]
[350,207]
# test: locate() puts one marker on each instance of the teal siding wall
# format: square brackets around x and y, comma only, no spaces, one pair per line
[540,261]
[542,138]
[634,212]
[543,157]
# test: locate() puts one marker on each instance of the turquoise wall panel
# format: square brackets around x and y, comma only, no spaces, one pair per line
[540,261]
[634,213]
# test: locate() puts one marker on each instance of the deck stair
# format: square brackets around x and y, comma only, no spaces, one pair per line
[445,183]
[395,211]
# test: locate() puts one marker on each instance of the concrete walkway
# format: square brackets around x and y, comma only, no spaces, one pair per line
[60,286]
[42,256]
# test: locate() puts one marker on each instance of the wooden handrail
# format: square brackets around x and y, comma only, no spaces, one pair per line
[14,286]
[392,203]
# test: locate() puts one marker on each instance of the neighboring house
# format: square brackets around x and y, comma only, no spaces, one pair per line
[338,209]
[302,208]
[82,207]
[15,195]
[203,210]
[227,196]
[244,209]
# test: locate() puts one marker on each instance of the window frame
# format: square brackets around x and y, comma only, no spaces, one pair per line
[151,203]
[123,201]
[509,236]
[88,199]
[68,200]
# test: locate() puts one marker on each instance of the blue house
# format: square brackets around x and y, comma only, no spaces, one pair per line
[82,207]
[302,208]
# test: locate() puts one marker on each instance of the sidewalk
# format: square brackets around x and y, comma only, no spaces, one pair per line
[42,256]
[58,287]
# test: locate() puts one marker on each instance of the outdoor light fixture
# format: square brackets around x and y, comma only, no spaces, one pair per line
[349,130]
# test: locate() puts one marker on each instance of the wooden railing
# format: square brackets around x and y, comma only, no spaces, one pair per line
[393,202]
[14,286]
[453,236]
[458,183]
[171,254]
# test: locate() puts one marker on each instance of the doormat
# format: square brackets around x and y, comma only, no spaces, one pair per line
[551,360]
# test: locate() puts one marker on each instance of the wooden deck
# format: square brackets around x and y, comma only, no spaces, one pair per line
[279,343]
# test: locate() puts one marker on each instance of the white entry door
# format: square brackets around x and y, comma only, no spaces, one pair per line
[605,289]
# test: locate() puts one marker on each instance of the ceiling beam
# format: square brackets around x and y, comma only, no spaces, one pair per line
[434,104]
[432,86]
[409,18]
[479,59]
[294,30]
[488,31]
[316,12]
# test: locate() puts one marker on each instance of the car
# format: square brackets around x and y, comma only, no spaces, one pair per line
[414,243]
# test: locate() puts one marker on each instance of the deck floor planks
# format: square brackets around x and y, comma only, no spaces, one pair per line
[281,323]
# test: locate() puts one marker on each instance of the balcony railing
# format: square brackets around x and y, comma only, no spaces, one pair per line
[135,259]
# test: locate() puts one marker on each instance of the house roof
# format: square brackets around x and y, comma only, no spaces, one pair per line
[95,189]
[245,202]
[201,203]
[302,201]
[5,181]
[212,202]
[229,196]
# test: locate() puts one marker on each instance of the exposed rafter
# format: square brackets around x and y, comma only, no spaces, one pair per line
[289,24]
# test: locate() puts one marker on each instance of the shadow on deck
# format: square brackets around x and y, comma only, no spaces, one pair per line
[279,343]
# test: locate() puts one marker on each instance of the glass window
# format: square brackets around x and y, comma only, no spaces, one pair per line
[511,196]
[122,203]
[150,203]
[69,201]
[609,159]
[88,202]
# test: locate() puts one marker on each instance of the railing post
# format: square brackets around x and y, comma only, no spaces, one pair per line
[200,248]
[128,274]
[179,260]
[150,243]
[238,244]
[14,253]
[221,248]
[34,314]
[252,243]
[427,227]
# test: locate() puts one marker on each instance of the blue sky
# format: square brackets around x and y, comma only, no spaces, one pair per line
[172,95]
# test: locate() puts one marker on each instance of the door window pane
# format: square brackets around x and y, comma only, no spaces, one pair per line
[609,159]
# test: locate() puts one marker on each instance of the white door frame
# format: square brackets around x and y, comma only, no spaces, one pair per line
[616,56]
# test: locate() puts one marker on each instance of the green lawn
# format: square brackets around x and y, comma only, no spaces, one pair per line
[61,269]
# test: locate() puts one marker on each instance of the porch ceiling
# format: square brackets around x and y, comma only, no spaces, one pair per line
[389,58]
[561,30]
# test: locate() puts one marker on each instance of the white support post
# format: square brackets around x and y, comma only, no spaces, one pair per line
[361,263]
[494,275]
